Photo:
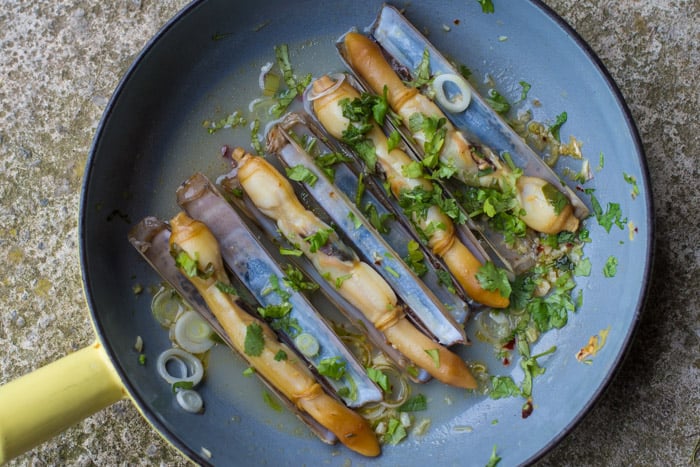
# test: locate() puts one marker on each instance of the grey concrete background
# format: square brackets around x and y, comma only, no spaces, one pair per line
[59,63]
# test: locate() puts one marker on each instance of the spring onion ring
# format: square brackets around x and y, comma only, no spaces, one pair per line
[460,101]
[189,400]
[193,333]
[166,306]
[190,368]
[307,344]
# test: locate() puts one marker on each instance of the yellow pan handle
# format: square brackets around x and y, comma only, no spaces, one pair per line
[43,403]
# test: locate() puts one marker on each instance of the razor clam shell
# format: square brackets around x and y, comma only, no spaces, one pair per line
[479,122]
[423,306]
[351,313]
[150,238]
[253,265]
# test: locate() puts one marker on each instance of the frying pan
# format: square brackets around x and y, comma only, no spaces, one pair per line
[204,64]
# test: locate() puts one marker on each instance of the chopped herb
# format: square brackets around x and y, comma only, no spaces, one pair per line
[610,268]
[296,280]
[532,369]
[333,367]
[340,279]
[287,324]
[230,121]
[601,162]
[274,311]
[395,432]
[318,239]
[555,198]
[350,391]
[391,270]
[299,173]
[254,341]
[255,137]
[434,130]
[503,386]
[393,141]
[525,89]
[493,278]
[415,403]
[464,71]
[494,459]
[613,214]
[552,310]
[435,355]
[360,189]
[486,6]
[326,162]
[445,279]
[291,252]
[412,170]
[182,385]
[417,201]
[271,402]
[415,259]
[356,222]
[280,355]
[554,129]
[583,268]
[497,102]
[379,377]
[142,359]
[422,73]
[250,371]
[378,221]
[226,288]
[632,181]
[185,262]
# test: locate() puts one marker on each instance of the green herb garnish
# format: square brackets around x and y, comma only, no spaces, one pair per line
[299,173]
[486,6]
[379,377]
[435,355]
[554,129]
[226,288]
[415,403]
[254,341]
[610,268]
[318,239]
[332,367]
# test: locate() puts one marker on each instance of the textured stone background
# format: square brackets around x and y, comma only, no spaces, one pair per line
[59,63]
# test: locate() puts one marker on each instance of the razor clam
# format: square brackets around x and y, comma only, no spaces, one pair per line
[151,238]
[406,46]
[257,270]
[422,304]
[199,259]
[361,285]
[353,315]
[339,108]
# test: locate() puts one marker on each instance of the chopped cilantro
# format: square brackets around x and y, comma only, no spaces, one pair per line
[422,73]
[555,198]
[613,214]
[525,89]
[250,371]
[350,391]
[395,432]
[184,261]
[230,121]
[142,359]
[414,404]
[554,129]
[287,324]
[532,369]
[486,6]
[299,173]
[497,102]
[379,377]
[291,252]
[356,221]
[583,268]
[464,71]
[412,170]
[271,402]
[495,458]
[415,259]
[332,367]
[435,355]
[503,386]
[632,181]
[296,280]
[552,310]
[360,189]
[434,131]
[601,162]
[318,239]
[445,279]
[226,288]
[340,279]
[378,221]
[275,311]
[255,137]
[254,341]
[280,355]
[393,141]
[493,278]
[610,268]
[326,162]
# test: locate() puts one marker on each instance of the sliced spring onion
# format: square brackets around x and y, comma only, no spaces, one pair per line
[166,306]
[307,344]
[188,367]
[193,333]
[460,100]
[190,400]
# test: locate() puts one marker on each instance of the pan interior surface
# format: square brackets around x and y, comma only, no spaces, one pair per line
[204,65]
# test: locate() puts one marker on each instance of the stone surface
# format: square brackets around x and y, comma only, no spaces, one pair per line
[60,62]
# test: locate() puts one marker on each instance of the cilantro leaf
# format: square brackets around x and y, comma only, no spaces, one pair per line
[560,120]
[395,432]
[280,355]
[318,239]
[610,268]
[296,280]
[226,288]
[612,215]
[274,311]
[486,6]
[326,162]
[493,278]
[254,341]
[415,259]
[494,459]
[333,367]
[415,403]
[503,386]
[379,377]
[497,102]
[299,173]
[422,73]
[271,402]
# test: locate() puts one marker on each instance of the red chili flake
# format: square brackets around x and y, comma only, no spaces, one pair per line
[456,22]
[506,361]
[527,408]
[510,345]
